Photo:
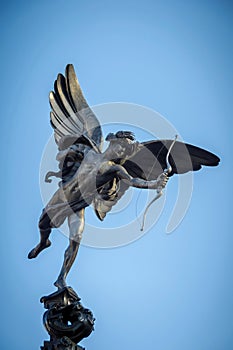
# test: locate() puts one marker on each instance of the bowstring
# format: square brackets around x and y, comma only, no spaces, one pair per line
[139,194]
[159,190]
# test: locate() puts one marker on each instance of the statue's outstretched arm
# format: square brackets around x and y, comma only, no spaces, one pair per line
[159,183]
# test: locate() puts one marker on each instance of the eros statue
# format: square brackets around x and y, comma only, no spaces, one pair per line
[90,176]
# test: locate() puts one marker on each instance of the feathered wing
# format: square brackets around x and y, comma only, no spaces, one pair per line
[148,163]
[71,114]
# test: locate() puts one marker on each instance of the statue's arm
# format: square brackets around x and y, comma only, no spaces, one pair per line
[140,183]
[61,155]
[52,173]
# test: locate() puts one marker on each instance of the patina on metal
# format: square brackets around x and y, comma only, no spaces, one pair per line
[89,176]
[66,320]
[92,177]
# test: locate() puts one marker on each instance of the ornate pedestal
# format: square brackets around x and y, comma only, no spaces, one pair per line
[60,344]
[66,320]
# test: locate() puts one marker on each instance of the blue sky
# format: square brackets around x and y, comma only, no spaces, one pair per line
[164,292]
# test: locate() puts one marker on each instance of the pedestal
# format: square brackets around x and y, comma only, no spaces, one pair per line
[66,320]
[60,344]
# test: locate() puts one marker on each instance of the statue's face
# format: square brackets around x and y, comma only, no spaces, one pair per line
[121,148]
[118,149]
[121,144]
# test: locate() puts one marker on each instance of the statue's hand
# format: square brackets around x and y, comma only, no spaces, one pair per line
[47,177]
[52,173]
[162,180]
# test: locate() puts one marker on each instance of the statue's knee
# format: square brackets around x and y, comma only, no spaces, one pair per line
[43,227]
[78,237]
[44,222]
[76,230]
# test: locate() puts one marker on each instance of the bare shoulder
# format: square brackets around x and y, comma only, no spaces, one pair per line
[105,166]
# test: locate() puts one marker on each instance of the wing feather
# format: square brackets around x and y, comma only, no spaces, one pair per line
[54,120]
[74,89]
[60,88]
[61,114]
[150,161]
[70,113]
[60,128]
[91,123]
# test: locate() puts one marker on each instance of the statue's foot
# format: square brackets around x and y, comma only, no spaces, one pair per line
[60,283]
[41,246]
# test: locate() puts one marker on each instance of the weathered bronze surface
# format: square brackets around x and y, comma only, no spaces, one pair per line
[61,344]
[66,320]
[90,176]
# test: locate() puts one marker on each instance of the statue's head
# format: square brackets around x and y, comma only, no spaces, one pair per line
[121,144]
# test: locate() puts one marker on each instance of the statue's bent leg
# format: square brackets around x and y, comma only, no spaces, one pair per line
[46,222]
[76,226]
[45,230]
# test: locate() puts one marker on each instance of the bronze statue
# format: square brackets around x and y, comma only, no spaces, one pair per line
[89,176]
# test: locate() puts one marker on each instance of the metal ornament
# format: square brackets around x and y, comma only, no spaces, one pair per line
[66,320]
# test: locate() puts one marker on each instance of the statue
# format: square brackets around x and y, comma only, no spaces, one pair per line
[90,176]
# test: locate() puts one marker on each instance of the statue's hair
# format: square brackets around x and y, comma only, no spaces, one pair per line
[120,135]
[125,135]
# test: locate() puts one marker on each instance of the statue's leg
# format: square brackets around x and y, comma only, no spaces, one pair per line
[45,230]
[46,224]
[76,226]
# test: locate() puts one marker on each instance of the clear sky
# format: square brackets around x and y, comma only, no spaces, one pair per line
[165,292]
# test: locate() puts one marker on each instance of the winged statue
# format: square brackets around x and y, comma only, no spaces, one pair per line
[90,176]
